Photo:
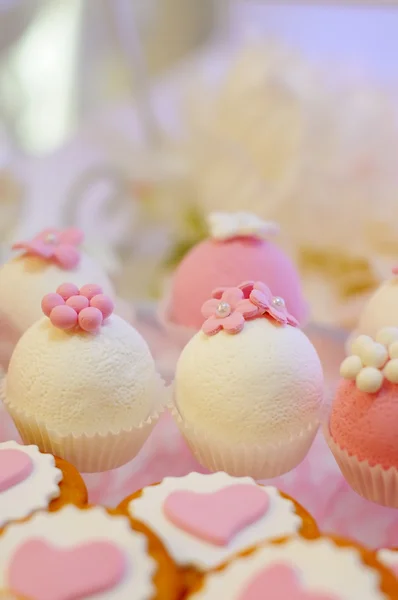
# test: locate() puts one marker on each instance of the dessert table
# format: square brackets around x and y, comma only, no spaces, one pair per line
[316,482]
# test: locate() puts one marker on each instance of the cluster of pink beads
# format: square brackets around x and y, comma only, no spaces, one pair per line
[69,307]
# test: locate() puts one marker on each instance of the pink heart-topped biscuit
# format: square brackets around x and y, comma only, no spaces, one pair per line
[280,582]
[40,571]
[216,517]
[15,467]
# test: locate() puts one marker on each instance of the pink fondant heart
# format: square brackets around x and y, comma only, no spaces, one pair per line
[15,466]
[219,516]
[279,582]
[40,571]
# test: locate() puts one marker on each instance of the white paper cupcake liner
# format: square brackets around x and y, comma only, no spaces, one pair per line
[263,461]
[88,453]
[373,483]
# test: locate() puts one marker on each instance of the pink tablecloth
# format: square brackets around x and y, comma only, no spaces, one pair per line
[316,482]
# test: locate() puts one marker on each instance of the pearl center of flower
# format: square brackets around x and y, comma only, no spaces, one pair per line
[51,238]
[278,302]
[223,309]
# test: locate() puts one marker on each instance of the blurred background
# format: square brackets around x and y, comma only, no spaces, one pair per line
[135,118]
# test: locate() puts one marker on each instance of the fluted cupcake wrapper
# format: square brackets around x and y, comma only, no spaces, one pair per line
[263,461]
[88,453]
[371,482]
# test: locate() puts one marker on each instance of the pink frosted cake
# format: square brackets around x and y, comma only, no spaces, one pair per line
[362,430]
[239,249]
[43,264]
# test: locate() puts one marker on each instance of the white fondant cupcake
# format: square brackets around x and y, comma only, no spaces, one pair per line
[82,383]
[248,389]
[43,264]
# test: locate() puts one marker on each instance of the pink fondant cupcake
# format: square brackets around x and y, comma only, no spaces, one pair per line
[204,520]
[43,264]
[362,425]
[82,383]
[238,250]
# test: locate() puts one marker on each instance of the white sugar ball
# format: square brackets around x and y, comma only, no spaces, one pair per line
[387,335]
[393,350]
[374,355]
[369,380]
[391,370]
[350,367]
[361,342]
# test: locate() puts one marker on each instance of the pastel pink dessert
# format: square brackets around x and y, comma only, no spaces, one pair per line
[362,431]
[238,250]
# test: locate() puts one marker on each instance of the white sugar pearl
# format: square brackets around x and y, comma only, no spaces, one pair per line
[393,350]
[387,335]
[360,342]
[350,367]
[374,355]
[391,370]
[369,380]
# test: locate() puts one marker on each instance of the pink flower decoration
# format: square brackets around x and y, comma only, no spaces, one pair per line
[246,287]
[68,307]
[280,582]
[274,306]
[228,311]
[395,270]
[57,245]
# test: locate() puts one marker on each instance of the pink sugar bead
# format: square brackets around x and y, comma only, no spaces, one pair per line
[103,303]
[50,301]
[90,319]
[66,290]
[63,317]
[90,290]
[77,303]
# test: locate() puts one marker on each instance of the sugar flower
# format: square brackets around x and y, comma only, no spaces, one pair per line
[229,311]
[70,307]
[59,246]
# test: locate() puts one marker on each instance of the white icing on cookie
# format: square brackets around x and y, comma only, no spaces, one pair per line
[71,526]
[389,558]
[279,520]
[33,493]
[321,565]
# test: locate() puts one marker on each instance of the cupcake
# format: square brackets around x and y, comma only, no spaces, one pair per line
[238,249]
[203,520]
[81,553]
[381,310]
[42,264]
[324,568]
[248,388]
[32,481]
[82,383]
[361,430]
